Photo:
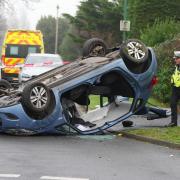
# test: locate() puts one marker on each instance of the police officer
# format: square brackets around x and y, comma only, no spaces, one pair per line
[175,80]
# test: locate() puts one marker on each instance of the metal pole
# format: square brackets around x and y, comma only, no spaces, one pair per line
[125,16]
[57,24]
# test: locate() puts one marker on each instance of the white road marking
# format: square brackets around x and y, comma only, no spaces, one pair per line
[61,178]
[9,175]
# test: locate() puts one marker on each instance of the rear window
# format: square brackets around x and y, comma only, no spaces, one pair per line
[21,51]
[42,59]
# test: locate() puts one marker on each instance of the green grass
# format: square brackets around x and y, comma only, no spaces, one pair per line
[171,134]
[95,100]
[155,102]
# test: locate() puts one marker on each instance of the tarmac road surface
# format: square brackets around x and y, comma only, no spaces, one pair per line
[106,157]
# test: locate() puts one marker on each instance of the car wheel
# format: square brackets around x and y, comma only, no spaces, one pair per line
[134,51]
[4,85]
[36,97]
[127,123]
[94,47]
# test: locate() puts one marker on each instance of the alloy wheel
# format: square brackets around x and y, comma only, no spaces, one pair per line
[39,97]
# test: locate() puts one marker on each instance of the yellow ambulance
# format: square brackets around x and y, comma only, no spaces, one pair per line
[16,46]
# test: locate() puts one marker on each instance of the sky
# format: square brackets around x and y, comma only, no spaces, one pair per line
[48,7]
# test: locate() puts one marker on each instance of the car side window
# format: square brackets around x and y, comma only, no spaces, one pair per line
[32,50]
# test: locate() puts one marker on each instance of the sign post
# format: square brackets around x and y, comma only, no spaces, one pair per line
[124,23]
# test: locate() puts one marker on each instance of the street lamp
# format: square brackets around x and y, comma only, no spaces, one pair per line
[57,24]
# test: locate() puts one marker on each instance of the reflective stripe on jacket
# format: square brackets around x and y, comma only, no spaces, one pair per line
[175,78]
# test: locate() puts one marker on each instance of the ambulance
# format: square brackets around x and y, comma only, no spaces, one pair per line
[16,46]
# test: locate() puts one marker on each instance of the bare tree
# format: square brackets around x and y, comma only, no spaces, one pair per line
[7,9]
[3,25]
[3,28]
[9,3]
[15,12]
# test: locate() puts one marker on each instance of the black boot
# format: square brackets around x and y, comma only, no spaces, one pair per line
[171,124]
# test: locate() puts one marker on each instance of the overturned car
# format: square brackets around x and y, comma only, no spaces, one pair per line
[58,101]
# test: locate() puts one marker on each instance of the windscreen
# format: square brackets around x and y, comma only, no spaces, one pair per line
[42,59]
[21,51]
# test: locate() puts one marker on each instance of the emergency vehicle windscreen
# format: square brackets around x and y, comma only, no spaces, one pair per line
[21,51]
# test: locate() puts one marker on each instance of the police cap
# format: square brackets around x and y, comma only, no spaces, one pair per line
[176,54]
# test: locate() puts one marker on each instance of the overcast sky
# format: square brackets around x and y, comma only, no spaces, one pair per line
[48,7]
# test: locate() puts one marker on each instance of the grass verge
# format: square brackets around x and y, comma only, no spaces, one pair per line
[157,103]
[95,101]
[171,134]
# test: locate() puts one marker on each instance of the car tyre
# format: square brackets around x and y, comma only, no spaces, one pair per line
[94,47]
[36,98]
[134,51]
[4,85]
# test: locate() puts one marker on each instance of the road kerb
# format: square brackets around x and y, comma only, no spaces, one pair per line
[150,140]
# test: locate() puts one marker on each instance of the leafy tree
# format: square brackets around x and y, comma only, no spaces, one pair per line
[69,49]
[144,12]
[98,18]
[160,31]
[164,53]
[47,25]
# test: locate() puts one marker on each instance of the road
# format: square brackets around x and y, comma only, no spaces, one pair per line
[106,157]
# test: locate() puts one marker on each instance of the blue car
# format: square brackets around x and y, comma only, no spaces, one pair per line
[58,101]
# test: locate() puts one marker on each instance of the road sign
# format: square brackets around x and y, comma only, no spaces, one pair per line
[124,25]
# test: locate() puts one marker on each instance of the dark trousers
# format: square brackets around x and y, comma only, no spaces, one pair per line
[174,101]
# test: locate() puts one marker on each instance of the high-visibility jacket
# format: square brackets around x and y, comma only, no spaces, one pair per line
[175,78]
